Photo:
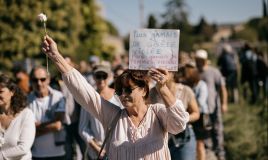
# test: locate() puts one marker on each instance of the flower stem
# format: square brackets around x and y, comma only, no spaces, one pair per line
[45,28]
[46,55]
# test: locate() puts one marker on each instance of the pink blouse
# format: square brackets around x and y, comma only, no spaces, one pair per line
[148,140]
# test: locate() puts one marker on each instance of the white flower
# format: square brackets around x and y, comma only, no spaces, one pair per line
[2,141]
[42,17]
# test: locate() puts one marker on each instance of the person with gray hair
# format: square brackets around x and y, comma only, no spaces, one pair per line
[48,106]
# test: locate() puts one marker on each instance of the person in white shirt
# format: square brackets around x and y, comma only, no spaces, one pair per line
[17,129]
[48,106]
[141,131]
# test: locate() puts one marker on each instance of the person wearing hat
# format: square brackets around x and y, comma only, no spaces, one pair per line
[90,128]
[217,99]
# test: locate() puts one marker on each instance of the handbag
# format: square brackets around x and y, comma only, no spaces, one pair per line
[108,135]
[180,139]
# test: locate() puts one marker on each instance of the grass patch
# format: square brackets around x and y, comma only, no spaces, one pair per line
[246,129]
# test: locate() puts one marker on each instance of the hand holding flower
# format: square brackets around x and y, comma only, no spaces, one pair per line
[49,47]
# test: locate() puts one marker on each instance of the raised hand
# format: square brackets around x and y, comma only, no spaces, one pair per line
[160,75]
[49,47]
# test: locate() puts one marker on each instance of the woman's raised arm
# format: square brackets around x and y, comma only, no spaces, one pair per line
[161,76]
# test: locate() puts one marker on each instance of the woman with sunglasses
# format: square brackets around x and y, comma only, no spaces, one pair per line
[17,128]
[142,129]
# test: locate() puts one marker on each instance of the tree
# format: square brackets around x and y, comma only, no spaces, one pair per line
[264,8]
[76,26]
[204,30]
[152,22]
[94,28]
[111,29]
[23,33]
[259,25]
[176,16]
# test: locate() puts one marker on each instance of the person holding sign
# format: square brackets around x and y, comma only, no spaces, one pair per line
[141,131]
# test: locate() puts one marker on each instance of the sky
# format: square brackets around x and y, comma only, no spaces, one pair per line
[125,15]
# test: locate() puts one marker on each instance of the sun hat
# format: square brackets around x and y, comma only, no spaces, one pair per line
[102,68]
[201,53]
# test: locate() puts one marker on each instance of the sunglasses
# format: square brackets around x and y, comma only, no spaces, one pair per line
[101,76]
[127,90]
[35,80]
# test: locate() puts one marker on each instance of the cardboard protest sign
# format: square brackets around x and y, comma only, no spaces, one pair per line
[157,48]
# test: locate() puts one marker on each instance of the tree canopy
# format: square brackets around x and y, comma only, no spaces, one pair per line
[76,25]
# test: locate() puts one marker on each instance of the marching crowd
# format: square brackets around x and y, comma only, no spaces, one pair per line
[155,114]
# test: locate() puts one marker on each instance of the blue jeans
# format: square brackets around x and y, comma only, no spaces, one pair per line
[186,151]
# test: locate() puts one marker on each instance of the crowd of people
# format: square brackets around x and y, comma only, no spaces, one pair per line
[155,114]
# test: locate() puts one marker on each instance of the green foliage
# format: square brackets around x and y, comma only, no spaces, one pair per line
[76,26]
[176,17]
[94,27]
[204,31]
[247,34]
[260,25]
[111,29]
[245,131]
[255,30]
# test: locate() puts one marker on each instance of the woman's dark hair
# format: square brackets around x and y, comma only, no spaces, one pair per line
[193,75]
[18,100]
[137,77]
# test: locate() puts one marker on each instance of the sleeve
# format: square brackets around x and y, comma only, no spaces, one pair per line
[174,118]
[84,129]
[202,97]
[25,140]
[88,98]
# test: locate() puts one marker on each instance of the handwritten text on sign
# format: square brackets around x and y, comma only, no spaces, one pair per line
[154,48]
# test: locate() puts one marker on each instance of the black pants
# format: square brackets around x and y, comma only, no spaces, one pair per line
[73,137]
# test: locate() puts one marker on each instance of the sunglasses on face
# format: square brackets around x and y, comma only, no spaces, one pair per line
[35,80]
[127,90]
[101,76]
